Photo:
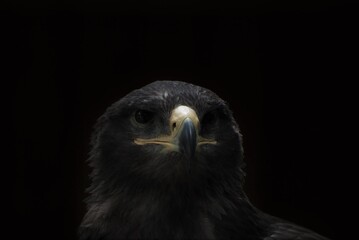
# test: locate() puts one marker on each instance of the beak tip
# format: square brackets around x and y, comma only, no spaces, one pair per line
[188,139]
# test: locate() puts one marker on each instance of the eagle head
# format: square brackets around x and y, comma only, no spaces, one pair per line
[165,133]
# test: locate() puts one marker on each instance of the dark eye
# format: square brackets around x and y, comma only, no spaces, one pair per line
[209,120]
[143,116]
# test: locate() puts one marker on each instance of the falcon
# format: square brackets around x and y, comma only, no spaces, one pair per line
[167,163]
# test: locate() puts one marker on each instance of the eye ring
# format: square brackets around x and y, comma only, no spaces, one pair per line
[143,116]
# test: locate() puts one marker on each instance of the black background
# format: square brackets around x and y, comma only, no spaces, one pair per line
[285,69]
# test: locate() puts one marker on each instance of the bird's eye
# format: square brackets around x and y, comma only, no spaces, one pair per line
[209,120]
[143,116]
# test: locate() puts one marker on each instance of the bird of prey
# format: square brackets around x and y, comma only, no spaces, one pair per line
[167,163]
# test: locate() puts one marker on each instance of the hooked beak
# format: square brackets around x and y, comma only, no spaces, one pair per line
[187,138]
[184,137]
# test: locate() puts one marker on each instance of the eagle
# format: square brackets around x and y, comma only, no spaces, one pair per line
[167,163]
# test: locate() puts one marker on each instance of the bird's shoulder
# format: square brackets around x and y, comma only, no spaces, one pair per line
[289,231]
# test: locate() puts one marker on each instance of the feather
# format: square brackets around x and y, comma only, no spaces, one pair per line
[167,163]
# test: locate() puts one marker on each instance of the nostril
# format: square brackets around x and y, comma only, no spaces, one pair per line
[173,126]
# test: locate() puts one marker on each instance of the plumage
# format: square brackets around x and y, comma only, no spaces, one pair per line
[167,163]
